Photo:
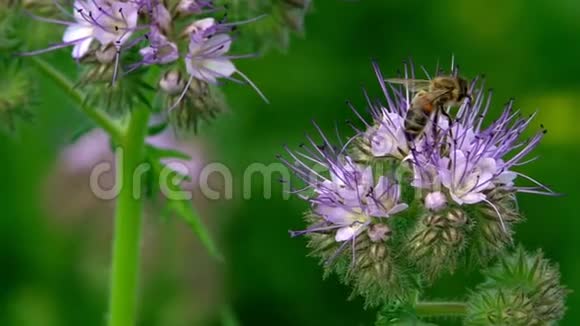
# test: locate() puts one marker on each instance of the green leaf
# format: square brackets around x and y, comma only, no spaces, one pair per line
[186,211]
[80,132]
[156,154]
[157,128]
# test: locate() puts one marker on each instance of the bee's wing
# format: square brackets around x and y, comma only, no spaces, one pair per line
[413,85]
[423,97]
[438,93]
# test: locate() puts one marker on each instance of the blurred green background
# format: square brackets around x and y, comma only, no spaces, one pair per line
[54,267]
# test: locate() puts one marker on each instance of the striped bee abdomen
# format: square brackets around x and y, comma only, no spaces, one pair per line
[415,122]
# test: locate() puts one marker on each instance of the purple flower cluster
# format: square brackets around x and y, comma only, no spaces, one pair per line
[350,197]
[159,35]
[346,194]
[456,162]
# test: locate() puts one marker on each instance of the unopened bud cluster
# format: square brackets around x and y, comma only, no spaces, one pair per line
[16,86]
[522,289]
[391,213]
[284,18]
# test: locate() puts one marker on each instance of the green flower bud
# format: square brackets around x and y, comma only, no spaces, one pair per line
[45,8]
[492,235]
[8,37]
[172,83]
[377,272]
[106,55]
[16,92]
[201,102]
[293,17]
[438,241]
[521,289]
[281,19]
[115,95]
[501,307]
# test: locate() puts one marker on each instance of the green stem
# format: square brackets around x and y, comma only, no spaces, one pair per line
[128,216]
[440,309]
[99,118]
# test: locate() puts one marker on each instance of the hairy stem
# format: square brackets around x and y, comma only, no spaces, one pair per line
[440,309]
[128,216]
[98,117]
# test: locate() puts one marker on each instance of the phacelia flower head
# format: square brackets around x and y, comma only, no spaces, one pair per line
[444,196]
[346,196]
[351,211]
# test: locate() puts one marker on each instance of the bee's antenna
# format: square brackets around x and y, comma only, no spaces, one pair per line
[412,66]
[426,72]
[452,62]
[456,71]
[406,77]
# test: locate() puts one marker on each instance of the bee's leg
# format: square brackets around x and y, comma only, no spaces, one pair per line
[410,140]
[446,114]
[436,125]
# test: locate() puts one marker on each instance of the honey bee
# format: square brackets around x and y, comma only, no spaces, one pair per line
[431,97]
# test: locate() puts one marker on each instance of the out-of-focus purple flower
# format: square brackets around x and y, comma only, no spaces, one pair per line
[106,21]
[121,27]
[161,17]
[206,58]
[160,49]
[195,6]
[77,161]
